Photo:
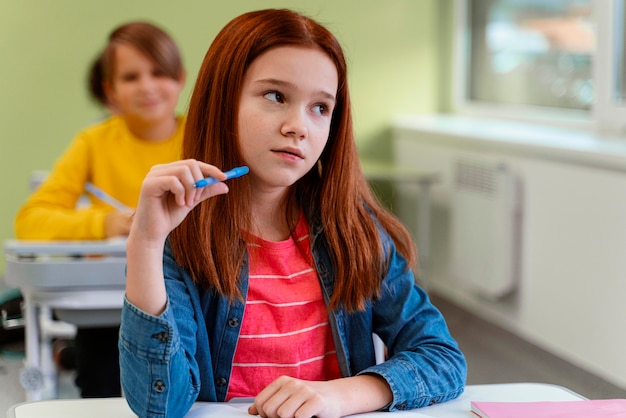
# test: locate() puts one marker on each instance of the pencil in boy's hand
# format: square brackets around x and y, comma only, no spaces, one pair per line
[230,174]
[106,198]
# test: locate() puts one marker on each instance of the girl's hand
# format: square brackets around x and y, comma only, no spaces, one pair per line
[288,397]
[168,195]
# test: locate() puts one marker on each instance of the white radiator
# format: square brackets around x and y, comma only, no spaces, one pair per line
[486,216]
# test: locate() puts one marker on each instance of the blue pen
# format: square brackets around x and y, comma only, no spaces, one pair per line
[230,174]
[100,194]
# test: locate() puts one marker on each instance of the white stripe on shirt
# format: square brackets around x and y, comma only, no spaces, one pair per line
[300,331]
[311,360]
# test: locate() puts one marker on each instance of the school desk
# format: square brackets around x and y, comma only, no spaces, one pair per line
[457,408]
[64,284]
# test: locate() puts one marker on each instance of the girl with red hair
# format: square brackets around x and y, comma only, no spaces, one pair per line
[269,286]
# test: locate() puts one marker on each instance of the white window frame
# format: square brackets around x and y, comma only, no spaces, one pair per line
[606,116]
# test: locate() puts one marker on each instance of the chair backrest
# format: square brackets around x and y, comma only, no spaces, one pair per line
[36,178]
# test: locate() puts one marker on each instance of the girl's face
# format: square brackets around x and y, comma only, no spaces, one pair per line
[139,91]
[287,101]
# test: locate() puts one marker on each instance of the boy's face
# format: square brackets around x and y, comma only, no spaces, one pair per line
[139,91]
[287,101]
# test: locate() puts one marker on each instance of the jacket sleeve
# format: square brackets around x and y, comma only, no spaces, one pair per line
[51,213]
[425,365]
[158,379]
[160,356]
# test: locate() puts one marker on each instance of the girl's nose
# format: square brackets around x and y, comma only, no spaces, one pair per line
[295,124]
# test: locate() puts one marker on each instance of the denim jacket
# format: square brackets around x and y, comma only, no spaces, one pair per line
[185,354]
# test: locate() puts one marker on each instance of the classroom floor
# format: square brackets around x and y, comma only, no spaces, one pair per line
[11,361]
[494,356]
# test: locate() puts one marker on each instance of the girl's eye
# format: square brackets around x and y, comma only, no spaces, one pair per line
[320,109]
[274,96]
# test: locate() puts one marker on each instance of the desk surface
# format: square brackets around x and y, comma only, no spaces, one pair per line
[37,247]
[60,265]
[458,408]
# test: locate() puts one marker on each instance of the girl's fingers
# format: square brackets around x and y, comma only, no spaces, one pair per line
[188,172]
[196,169]
[174,184]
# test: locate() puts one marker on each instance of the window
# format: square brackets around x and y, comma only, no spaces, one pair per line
[620,80]
[548,60]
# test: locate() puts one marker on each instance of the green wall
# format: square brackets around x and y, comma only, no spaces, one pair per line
[393,48]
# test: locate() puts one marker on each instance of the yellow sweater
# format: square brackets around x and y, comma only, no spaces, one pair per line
[109,156]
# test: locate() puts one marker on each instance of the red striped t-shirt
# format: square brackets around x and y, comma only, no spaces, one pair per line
[285,329]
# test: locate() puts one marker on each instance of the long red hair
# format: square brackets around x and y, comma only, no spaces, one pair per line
[209,243]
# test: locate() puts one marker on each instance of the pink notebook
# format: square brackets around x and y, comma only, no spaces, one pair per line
[613,408]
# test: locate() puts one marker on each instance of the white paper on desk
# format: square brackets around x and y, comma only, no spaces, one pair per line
[395,414]
[219,409]
[227,410]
